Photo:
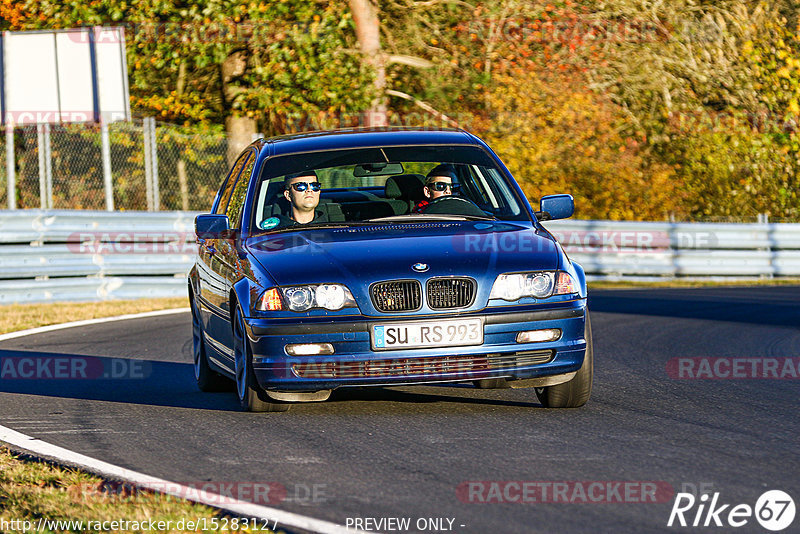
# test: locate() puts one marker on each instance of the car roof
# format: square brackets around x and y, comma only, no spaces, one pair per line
[364,138]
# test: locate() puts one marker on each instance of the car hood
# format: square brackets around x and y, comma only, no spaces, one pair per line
[363,254]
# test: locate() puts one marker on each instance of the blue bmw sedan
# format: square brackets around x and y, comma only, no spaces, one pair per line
[358,258]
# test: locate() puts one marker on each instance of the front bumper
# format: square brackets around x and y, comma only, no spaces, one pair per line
[354,363]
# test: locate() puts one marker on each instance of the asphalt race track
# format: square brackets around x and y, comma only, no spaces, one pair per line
[409,452]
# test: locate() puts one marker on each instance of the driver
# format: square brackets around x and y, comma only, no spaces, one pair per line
[302,190]
[438,183]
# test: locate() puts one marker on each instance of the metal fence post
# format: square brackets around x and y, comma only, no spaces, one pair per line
[148,165]
[106,150]
[11,171]
[42,185]
[45,167]
[154,164]
[48,160]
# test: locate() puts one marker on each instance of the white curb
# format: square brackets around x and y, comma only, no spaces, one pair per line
[104,469]
[244,509]
[52,327]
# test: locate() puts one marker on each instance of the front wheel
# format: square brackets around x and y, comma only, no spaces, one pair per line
[207,379]
[251,396]
[576,392]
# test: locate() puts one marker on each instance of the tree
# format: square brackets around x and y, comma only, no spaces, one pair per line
[715,89]
[365,15]
[278,67]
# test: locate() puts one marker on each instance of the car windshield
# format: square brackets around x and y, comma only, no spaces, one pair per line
[378,185]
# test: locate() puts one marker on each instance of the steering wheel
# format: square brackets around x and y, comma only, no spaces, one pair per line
[452,205]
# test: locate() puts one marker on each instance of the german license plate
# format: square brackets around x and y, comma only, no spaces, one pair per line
[447,333]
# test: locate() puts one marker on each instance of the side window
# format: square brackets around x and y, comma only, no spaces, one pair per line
[234,210]
[227,188]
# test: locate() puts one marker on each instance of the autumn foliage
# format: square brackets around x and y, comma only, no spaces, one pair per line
[641,109]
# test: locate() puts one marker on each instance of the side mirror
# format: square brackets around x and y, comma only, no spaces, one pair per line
[211,226]
[556,207]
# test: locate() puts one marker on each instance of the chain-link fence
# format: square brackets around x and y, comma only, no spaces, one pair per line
[152,166]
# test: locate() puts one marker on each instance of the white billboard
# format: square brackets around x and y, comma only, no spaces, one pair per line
[55,76]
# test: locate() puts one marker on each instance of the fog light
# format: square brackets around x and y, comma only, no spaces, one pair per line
[539,336]
[309,349]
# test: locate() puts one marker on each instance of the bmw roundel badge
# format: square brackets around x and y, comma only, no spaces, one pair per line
[420,267]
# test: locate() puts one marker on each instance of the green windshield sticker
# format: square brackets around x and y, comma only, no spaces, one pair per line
[269,224]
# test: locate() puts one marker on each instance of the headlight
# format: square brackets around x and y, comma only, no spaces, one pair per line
[302,298]
[329,296]
[538,285]
[299,298]
[515,286]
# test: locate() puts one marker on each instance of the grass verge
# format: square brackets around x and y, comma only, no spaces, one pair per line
[33,491]
[15,317]
[36,494]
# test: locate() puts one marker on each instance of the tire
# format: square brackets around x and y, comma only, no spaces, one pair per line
[577,391]
[207,379]
[251,397]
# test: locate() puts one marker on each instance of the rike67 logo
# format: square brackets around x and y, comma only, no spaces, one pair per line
[774,510]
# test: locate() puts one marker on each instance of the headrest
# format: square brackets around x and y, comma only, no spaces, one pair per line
[405,187]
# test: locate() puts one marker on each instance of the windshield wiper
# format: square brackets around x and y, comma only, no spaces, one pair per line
[479,218]
[314,226]
[423,217]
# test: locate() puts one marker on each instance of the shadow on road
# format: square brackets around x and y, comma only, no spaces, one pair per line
[774,306]
[172,384]
[425,396]
[75,376]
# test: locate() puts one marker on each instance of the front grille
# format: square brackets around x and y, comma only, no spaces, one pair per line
[448,293]
[397,296]
[438,366]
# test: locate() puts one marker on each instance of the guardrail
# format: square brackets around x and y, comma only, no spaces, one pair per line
[48,256]
[52,255]
[659,250]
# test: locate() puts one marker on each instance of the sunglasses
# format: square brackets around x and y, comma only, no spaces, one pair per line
[439,186]
[302,186]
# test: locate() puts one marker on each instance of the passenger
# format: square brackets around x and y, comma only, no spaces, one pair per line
[439,183]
